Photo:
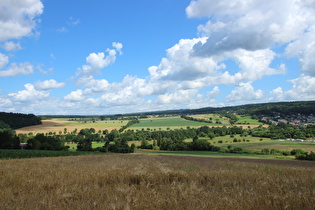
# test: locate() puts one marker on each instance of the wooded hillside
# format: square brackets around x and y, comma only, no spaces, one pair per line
[18,120]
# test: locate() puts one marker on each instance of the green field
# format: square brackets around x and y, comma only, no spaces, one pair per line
[247,120]
[254,143]
[214,117]
[18,154]
[271,144]
[166,122]
[211,154]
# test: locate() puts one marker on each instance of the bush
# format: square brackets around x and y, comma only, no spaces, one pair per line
[265,151]
[286,153]
[306,156]
[298,152]
[275,152]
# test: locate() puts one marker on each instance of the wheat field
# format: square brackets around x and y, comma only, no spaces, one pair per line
[130,181]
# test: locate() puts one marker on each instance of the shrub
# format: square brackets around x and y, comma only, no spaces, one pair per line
[306,156]
[286,153]
[275,152]
[298,152]
[265,151]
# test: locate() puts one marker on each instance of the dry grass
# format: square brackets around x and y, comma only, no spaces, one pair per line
[155,182]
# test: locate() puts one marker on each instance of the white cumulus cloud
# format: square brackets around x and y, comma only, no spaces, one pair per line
[18,18]
[245,92]
[250,24]
[16,69]
[48,84]
[30,94]
[76,95]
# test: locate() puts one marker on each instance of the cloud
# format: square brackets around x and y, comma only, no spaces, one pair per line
[45,72]
[4,60]
[255,64]
[249,24]
[245,92]
[181,96]
[76,95]
[276,94]
[52,56]
[11,46]
[48,85]
[118,46]
[62,29]
[180,65]
[73,21]
[16,69]
[304,48]
[97,61]
[18,18]
[303,89]
[30,94]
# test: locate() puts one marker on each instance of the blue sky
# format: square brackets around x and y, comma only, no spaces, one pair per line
[110,57]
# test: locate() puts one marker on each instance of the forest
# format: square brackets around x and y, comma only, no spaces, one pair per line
[18,120]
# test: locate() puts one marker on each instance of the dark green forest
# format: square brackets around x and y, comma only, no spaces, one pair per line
[18,120]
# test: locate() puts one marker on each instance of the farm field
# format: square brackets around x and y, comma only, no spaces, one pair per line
[271,144]
[247,120]
[166,122]
[210,154]
[57,125]
[255,144]
[215,117]
[16,154]
[131,181]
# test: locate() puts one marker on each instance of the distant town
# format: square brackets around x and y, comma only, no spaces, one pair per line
[292,119]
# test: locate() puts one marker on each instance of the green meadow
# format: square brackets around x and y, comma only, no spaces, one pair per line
[210,154]
[166,122]
[247,120]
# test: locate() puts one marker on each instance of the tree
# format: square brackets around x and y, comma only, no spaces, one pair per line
[211,135]
[110,137]
[8,139]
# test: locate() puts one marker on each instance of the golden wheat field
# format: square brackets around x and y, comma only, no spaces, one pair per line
[130,181]
[59,126]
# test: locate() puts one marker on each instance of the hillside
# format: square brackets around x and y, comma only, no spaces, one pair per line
[285,108]
[18,120]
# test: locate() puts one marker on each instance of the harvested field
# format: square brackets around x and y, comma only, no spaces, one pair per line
[59,125]
[132,181]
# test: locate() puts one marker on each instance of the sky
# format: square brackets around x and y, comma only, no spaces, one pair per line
[98,57]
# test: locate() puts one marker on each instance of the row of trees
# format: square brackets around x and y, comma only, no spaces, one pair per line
[196,119]
[283,131]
